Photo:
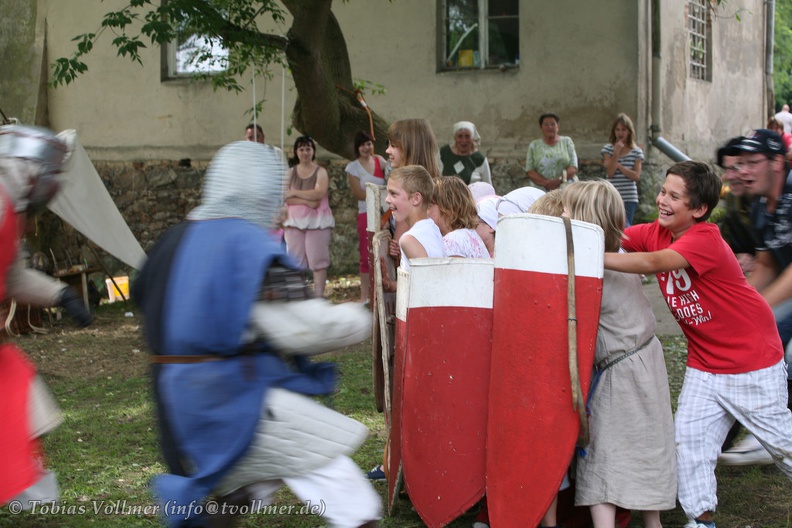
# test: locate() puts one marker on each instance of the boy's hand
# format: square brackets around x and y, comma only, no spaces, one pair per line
[387,284]
[393,248]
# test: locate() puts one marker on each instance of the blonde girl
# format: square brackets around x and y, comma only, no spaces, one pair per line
[454,212]
[630,461]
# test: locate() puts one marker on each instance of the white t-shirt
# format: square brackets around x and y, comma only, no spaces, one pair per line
[356,169]
[465,243]
[428,234]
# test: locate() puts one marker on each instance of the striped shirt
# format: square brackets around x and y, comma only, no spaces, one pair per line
[626,187]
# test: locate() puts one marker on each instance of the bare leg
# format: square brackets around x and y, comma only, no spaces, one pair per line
[364,287]
[651,519]
[550,518]
[319,277]
[603,515]
[706,516]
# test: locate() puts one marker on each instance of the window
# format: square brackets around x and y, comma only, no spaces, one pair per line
[479,34]
[700,39]
[193,53]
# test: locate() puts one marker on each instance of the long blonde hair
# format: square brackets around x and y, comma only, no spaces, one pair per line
[625,121]
[417,141]
[597,202]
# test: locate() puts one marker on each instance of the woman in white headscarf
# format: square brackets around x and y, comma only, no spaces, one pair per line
[462,157]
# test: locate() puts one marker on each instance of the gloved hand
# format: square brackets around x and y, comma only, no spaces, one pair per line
[75,307]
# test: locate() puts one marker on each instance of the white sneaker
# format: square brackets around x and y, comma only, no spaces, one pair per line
[749,452]
[693,523]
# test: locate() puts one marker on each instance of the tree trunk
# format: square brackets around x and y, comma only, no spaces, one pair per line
[327,108]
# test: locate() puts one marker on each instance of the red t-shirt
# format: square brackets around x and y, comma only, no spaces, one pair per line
[730,328]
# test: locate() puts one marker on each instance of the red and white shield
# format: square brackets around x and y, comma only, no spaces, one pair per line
[394,448]
[533,425]
[443,335]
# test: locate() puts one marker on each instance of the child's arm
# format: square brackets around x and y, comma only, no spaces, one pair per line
[411,247]
[646,263]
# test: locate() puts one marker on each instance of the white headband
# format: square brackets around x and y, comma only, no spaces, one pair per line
[467,125]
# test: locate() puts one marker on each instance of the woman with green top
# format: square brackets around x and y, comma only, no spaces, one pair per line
[551,161]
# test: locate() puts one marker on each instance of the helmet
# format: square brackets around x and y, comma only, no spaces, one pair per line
[41,148]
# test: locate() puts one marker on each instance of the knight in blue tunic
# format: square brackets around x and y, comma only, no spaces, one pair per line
[229,323]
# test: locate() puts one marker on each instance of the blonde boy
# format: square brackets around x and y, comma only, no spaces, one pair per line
[735,367]
[410,191]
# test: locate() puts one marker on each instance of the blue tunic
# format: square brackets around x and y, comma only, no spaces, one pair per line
[196,292]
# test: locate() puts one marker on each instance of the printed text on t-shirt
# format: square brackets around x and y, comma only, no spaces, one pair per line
[681,300]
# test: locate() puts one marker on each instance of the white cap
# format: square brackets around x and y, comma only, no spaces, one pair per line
[481,189]
[487,209]
[519,200]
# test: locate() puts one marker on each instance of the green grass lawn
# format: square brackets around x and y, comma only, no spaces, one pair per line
[106,450]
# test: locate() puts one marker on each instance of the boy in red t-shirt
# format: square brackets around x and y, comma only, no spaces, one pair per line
[735,367]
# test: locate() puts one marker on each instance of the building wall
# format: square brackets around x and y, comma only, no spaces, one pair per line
[21,52]
[587,61]
[578,66]
[699,116]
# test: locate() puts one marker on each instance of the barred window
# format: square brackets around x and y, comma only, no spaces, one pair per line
[700,39]
[477,34]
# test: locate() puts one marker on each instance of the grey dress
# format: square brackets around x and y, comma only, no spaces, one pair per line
[630,461]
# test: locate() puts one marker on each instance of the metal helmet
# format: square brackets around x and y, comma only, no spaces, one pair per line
[40,149]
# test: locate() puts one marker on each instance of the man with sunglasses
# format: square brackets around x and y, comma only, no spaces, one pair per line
[764,173]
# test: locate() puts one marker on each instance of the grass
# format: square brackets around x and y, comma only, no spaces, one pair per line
[106,450]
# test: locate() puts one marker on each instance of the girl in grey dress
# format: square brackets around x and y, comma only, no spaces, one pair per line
[630,461]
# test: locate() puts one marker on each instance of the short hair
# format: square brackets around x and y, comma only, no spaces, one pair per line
[627,123]
[549,114]
[414,179]
[774,124]
[455,202]
[702,185]
[417,141]
[299,142]
[597,202]
[258,128]
[362,138]
[549,204]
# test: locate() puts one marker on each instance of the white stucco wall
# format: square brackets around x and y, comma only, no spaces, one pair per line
[587,61]
[698,116]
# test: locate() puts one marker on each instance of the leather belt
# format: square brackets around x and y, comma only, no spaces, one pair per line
[607,363]
[198,358]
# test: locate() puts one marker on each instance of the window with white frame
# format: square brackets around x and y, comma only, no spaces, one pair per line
[477,34]
[192,54]
[700,39]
